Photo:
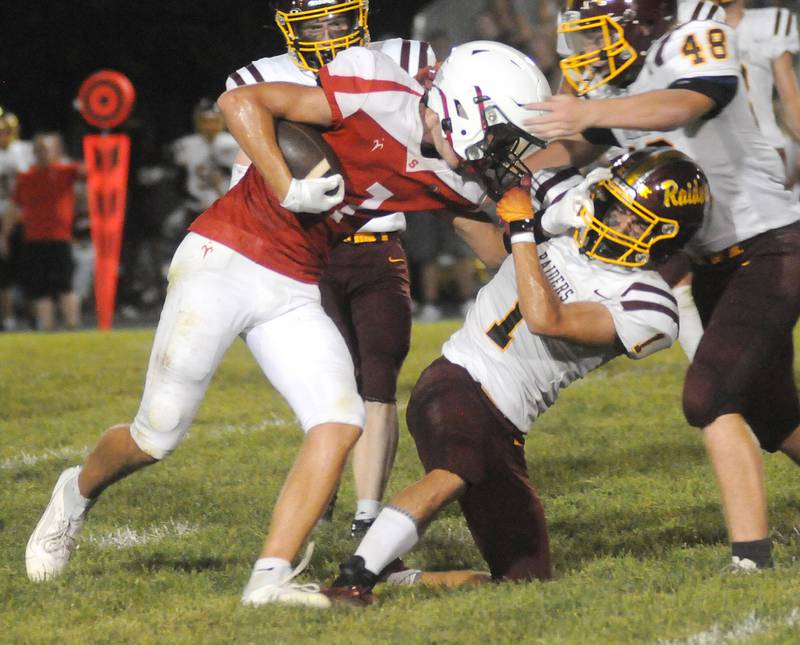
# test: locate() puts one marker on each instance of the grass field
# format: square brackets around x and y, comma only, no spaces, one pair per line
[636,529]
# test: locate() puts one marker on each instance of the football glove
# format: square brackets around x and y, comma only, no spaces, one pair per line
[515,204]
[314,195]
[565,213]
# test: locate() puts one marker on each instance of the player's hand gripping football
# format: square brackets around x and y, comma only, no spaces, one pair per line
[314,195]
[565,214]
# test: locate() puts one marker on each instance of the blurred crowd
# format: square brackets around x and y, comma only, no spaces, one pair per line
[46,255]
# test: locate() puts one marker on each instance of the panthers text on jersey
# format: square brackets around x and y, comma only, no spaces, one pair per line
[522,372]
[764,35]
[744,171]
[377,136]
[411,55]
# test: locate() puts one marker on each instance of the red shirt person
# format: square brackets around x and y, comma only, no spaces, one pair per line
[44,199]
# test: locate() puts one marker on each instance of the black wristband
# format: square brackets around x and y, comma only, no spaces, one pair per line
[522,226]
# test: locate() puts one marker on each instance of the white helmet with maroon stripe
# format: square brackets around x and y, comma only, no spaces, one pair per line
[479,94]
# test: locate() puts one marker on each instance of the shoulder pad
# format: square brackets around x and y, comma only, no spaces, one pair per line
[699,10]
[411,55]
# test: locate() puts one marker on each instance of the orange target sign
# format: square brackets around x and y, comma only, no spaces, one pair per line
[105,98]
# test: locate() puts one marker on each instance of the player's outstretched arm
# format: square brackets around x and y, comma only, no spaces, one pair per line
[250,114]
[659,110]
[584,323]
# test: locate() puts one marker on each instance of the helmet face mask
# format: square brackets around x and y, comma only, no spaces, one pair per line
[602,52]
[479,96]
[608,39]
[501,165]
[652,205]
[317,30]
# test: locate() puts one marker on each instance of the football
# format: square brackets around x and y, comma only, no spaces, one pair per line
[307,154]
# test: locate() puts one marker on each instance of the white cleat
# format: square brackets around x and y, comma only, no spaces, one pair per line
[404,577]
[53,540]
[741,565]
[285,591]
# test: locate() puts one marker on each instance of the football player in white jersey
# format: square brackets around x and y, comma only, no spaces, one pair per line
[15,157]
[206,156]
[365,286]
[556,310]
[768,39]
[681,84]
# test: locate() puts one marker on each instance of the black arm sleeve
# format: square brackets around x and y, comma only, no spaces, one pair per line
[600,136]
[720,89]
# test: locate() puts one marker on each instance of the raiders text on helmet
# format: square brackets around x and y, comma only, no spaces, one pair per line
[317,30]
[652,205]
[479,94]
[609,39]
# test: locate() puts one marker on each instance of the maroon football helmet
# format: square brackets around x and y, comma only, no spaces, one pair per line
[317,30]
[653,204]
[609,39]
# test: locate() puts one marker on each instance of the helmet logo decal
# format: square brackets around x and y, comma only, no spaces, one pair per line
[677,196]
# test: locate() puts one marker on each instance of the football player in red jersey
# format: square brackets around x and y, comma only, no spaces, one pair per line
[365,286]
[251,263]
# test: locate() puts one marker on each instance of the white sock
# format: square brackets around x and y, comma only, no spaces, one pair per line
[73,496]
[393,534]
[367,509]
[270,570]
[691,327]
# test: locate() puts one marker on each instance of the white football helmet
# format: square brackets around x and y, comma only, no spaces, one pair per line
[479,94]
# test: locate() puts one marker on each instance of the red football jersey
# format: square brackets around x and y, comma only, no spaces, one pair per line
[376,135]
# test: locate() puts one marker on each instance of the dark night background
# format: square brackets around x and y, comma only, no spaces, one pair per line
[174,51]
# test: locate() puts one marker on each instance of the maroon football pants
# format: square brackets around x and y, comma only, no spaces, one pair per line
[457,428]
[749,306]
[365,290]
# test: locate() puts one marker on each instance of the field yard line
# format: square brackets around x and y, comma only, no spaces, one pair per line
[749,627]
[125,537]
[27,459]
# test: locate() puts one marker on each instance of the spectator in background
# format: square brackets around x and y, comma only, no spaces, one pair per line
[207,158]
[527,26]
[44,201]
[15,157]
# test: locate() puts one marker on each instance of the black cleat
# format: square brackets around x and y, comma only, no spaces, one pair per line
[359,528]
[354,583]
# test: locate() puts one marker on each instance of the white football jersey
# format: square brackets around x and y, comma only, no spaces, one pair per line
[765,34]
[17,158]
[411,55]
[204,163]
[522,372]
[744,171]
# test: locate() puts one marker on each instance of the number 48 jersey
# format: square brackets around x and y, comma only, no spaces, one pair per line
[744,171]
[522,372]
